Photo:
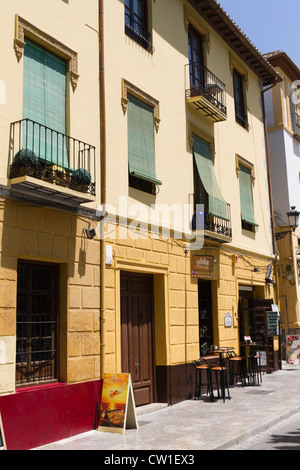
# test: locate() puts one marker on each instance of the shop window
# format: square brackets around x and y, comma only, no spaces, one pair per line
[205,316]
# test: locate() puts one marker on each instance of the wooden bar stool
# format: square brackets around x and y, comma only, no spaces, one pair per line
[254,369]
[220,373]
[237,369]
[201,366]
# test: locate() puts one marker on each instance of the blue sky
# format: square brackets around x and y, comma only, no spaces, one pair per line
[270,24]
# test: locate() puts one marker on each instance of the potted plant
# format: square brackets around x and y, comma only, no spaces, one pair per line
[25,163]
[81,180]
[203,349]
[203,330]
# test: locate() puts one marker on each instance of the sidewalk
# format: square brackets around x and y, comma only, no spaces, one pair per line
[200,424]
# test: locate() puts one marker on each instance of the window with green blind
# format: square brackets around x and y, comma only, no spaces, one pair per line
[217,206]
[44,104]
[246,198]
[141,148]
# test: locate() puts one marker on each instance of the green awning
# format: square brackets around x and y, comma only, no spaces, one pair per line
[247,209]
[141,151]
[217,206]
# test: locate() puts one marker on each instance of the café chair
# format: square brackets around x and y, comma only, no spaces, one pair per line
[237,369]
[221,376]
[202,368]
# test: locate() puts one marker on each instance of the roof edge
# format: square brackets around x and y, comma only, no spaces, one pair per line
[230,32]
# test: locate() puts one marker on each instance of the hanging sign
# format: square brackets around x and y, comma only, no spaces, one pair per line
[203,267]
[2,438]
[117,404]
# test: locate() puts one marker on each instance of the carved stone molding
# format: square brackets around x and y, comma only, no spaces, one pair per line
[25,29]
[242,161]
[129,88]
[189,17]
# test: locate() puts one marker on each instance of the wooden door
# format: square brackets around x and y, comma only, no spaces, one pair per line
[137,334]
[260,308]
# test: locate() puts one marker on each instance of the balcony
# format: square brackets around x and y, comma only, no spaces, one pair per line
[296,126]
[205,92]
[50,166]
[215,228]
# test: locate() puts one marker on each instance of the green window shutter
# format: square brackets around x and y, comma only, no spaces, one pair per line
[247,209]
[141,152]
[217,206]
[44,102]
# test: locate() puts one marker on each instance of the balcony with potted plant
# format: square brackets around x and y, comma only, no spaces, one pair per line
[46,164]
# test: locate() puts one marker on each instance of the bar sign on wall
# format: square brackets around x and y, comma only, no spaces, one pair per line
[203,267]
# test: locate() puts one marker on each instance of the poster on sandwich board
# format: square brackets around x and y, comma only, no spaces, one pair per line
[117,408]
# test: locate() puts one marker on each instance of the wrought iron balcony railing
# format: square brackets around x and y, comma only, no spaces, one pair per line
[202,82]
[48,155]
[217,226]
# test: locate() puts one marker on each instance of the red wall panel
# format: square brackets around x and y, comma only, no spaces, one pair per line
[35,416]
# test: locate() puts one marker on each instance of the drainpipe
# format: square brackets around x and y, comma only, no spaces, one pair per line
[103,184]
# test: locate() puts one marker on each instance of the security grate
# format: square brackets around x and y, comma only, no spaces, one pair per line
[36,357]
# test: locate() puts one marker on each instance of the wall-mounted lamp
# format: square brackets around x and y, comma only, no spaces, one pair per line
[268,279]
[293,217]
[90,233]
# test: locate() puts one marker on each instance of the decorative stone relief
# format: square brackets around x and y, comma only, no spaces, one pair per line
[141,95]
[24,29]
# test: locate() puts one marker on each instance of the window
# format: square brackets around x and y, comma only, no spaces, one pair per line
[44,104]
[196,60]
[141,146]
[37,316]
[136,22]
[246,199]
[239,99]
[205,181]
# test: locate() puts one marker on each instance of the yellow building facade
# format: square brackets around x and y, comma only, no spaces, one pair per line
[202,93]
[50,270]
[164,119]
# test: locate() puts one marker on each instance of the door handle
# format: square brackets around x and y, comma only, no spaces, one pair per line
[137,365]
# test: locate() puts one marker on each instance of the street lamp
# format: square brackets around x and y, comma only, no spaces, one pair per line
[293,217]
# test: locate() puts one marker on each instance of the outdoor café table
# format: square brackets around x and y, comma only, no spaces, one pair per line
[222,351]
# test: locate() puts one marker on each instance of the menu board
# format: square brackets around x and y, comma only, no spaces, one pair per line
[293,349]
[117,404]
[2,438]
[273,324]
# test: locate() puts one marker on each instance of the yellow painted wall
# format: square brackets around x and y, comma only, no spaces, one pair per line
[161,74]
[75,25]
[36,233]
[176,315]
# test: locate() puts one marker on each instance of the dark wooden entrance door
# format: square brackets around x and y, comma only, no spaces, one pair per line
[253,323]
[137,334]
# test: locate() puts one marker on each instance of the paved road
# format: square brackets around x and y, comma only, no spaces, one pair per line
[283,436]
